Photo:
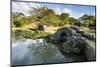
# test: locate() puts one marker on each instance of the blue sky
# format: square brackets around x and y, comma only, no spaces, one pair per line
[75,11]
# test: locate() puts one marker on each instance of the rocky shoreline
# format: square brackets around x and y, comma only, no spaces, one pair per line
[72,41]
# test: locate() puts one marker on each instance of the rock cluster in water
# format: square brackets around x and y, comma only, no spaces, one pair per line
[71,40]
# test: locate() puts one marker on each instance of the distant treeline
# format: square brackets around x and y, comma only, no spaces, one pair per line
[46,16]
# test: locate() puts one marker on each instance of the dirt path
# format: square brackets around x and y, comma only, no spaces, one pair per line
[51,29]
[48,29]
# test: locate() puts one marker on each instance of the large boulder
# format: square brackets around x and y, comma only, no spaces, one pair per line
[76,28]
[69,41]
[89,36]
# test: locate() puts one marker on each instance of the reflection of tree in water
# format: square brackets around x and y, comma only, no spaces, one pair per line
[36,52]
[43,52]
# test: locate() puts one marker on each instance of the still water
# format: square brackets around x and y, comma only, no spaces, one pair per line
[38,51]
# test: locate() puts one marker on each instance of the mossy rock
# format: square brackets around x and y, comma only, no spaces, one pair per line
[68,48]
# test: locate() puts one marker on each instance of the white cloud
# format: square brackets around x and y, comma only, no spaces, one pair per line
[20,7]
[67,10]
[34,5]
[59,11]
[94,13]
[76,15]
[23,7]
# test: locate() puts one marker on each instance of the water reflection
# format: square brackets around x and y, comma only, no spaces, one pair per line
[28,51]
[38,51]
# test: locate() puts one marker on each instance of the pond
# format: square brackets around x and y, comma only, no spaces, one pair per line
[38,51]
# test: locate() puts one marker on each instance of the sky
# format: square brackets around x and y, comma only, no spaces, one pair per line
[75,11]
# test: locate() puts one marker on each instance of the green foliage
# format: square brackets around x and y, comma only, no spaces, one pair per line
[88,20]
[64,18]
[19,20]
[16,19]
[46,16]
[31,34]
[49,17]
[74,21]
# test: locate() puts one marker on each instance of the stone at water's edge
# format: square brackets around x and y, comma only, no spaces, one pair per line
[89,36]
[70,41]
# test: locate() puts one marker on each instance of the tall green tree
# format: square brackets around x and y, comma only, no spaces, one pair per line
[45,16]
[65,18]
